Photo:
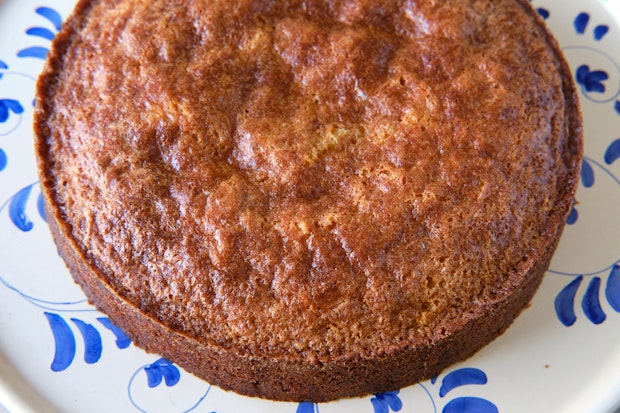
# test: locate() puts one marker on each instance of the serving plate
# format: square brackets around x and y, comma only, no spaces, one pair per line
[59,354]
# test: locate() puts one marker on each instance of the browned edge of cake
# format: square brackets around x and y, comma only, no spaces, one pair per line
[297,380]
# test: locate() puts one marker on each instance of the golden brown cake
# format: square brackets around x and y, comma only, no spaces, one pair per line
[306,200]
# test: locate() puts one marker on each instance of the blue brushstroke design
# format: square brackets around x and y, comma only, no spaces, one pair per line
[50,14]
[162,369]
[612,289]
[573,216]
[34,51]
[591,80]
[64,341]
[17,210]
[544,13]
[600,31]
[591,304]
[92,341]
[139,408]
[581,22]
[565,302]
[122,341]
[3,65]
[41,32]
[428,393]
[384,402]
[41,207]
[305,407]
[46,304]
[469,405]
[613,152]
[587,174]
[3,160]
[461,377]
[7,106]
[617,107]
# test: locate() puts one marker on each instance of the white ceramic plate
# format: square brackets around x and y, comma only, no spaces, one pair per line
[561,355]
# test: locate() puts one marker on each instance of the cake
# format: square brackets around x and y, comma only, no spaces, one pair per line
[305,200]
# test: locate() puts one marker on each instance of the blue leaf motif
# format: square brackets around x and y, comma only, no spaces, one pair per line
[64,341]
[379,406]
[591,80]
[581,22]
[461,377]
[34,51]
[17,209]
[92,341]
[600,31]
[573,216]
[544,13]
[613,152]
[591,304]
[122,341]
[612,289]
[162,369]
[305,407]
[3,160]
[617,107]
[7,106]
[587,174]
[3,65]
[565,302]
[41,32]
[50,14]
[383,402]
[470,405]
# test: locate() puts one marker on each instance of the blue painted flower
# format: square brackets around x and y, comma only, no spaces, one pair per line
[591,301]
[40,52]
[386,402]
[3,160]
[162,369]
[591,80]
[7,106]
[65,343]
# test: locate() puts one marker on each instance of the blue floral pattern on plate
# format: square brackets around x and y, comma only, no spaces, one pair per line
[83,340]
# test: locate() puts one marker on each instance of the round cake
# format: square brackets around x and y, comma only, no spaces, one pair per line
[308,200]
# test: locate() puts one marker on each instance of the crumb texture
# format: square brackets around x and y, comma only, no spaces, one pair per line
[303,179]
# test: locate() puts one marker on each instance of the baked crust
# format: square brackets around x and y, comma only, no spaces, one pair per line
[304,202]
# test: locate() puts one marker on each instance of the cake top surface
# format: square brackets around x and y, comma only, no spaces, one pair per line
[306,178]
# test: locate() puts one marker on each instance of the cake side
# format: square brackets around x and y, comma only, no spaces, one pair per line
[320,267]
[304,380]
